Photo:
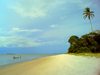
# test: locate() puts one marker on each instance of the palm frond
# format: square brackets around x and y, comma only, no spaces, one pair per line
[92,12]
[93,15]
[85,17]
[88,13]
[84,13]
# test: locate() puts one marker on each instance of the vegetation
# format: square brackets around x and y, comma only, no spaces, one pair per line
[88,43]
[88,13]
[97,55]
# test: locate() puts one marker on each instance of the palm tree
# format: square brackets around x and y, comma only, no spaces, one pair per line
[88,13]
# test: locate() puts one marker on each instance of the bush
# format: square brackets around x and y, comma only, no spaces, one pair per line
[83,50]
[93,49]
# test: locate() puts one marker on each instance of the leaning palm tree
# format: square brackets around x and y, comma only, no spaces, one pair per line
[88,13]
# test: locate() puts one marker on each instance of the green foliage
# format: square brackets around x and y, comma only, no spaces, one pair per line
[82,43]
[73,39]
[97,55]
[70,49]
[88,13]
[86,43]
[93,49]
[83,50]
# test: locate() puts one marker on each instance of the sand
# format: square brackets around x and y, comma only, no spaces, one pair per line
[63,64]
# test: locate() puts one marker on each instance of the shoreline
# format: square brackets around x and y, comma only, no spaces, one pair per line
[15,63]
[62,64]
[10,64]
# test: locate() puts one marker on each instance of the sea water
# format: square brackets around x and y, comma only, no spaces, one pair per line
[7,59]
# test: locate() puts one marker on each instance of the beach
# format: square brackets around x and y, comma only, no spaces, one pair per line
[63,64]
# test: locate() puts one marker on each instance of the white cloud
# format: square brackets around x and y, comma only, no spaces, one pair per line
[34,8]
[33,12]
[52,43]
[55,26]
[16,41]
[67,31]
[21,32]
[25,30]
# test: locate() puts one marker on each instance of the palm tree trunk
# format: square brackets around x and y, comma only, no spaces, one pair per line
[91,26]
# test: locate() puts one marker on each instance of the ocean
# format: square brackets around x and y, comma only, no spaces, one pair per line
[8,58]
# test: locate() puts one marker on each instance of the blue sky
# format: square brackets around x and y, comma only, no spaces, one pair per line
[43,26]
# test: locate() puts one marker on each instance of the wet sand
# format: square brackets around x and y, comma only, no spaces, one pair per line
[11,64]
[63,64]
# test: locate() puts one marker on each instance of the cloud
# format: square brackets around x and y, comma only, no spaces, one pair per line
[12,40]
[26,30]
[21,32]
[52,42]
[34,8]
[33,12]
[55,26]
[16,41]
[66,31]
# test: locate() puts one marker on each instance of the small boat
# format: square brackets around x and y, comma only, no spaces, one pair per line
[16,57]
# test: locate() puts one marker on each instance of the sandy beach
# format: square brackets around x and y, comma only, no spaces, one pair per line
[63,64]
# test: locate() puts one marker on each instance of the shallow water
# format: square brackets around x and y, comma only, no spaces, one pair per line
[7,59]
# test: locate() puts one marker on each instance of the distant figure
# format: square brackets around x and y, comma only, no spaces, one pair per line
[20,56]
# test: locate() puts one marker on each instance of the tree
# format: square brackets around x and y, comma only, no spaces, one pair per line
[73,39]
[83,50]
[71,49]
[97,31]
[88,13]
[86,43]
[82,43]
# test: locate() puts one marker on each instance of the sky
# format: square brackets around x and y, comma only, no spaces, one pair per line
[44,26]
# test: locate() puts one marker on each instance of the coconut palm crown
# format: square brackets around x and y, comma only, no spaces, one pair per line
[88,13]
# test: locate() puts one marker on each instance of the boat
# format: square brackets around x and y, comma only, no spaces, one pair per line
[16,57]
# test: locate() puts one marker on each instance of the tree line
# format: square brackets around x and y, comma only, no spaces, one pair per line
[88,43]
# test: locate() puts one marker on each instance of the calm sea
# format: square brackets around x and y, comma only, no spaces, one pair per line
[7,59]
